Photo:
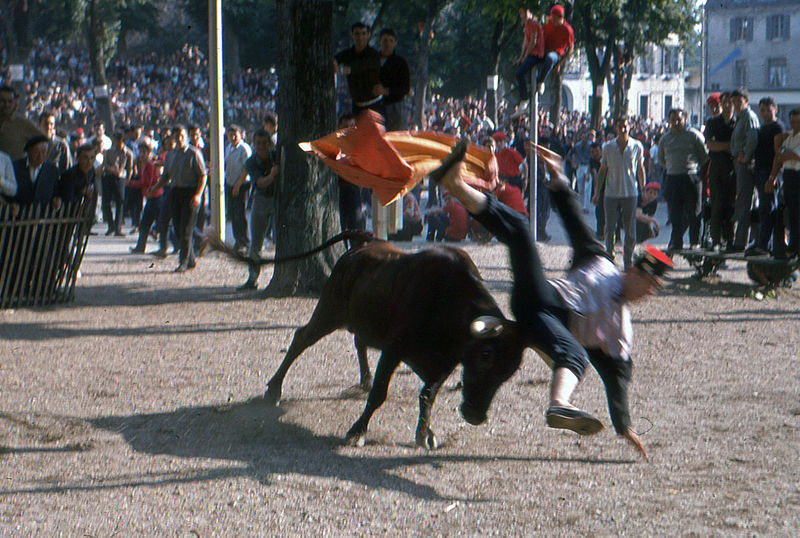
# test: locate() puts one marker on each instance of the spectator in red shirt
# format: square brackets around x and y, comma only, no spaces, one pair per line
[450,223]
[531,55]
[558,43]
[511,165]
[512,197]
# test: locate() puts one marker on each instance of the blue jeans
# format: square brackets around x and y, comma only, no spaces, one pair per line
[548,61]
[152,209]
[260,216]
[534,301]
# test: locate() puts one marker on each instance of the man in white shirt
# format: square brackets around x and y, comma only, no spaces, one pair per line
[236,154]
[622,173]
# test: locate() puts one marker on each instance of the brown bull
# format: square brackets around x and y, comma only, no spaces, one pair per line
[429,310]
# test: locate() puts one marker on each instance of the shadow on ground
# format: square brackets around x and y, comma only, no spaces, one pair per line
[252,441]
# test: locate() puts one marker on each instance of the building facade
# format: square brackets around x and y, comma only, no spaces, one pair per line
[751,44]
[657,83]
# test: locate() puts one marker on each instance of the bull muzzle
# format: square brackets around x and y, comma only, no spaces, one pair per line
[471,415]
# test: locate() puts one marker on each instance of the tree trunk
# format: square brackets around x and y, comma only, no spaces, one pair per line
[421,84]
[423,54]
[306,195]
[94,34]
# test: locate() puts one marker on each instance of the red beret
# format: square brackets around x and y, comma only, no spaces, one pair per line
[499,135]
[652,261]
[557,10]
[653,185]
[714,98]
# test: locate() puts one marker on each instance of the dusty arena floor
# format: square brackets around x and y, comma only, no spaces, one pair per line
[126,414]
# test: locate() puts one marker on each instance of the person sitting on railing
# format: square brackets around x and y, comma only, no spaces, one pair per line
[37,178]
[78,180]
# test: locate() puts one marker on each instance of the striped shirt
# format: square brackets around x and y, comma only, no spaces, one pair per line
[598,318]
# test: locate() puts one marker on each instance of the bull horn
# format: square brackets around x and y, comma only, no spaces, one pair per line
[486,327]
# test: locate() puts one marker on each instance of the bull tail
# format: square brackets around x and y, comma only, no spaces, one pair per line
[356,237]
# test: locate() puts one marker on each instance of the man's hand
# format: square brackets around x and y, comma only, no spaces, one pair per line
[770,184]
[380,89]
[740,158]
[236,189]
[552,162]
[633,439]
[56,203]
[14,210]
[196,200]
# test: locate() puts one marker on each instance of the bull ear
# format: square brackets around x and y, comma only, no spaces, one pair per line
[486,327]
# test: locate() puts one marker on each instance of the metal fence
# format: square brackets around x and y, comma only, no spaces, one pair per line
[41,249]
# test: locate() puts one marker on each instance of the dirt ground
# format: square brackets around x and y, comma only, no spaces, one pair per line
[127,414]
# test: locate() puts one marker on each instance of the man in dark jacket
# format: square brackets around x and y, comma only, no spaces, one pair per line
[37,178]
[395,81]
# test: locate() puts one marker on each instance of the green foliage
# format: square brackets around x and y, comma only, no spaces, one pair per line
[254,23]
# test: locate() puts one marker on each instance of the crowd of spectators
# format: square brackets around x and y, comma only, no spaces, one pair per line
[159,91]
[144,89]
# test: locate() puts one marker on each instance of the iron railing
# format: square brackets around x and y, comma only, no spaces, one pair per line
[41,249]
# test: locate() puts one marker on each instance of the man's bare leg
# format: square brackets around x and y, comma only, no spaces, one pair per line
[449,176]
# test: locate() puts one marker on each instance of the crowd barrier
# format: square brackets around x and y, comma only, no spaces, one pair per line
[41,249]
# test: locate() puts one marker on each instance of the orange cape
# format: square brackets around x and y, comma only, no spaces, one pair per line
[392,163]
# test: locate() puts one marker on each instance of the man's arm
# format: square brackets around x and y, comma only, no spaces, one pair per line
[240,182]
[640,175]
[700,147]
[751,140]
[198,194]
[265,181]
[599,181]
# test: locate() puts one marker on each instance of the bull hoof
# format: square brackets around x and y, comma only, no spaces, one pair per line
[272,397]
[358,440]
[427,439]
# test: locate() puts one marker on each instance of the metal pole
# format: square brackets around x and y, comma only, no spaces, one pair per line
[215,86]
[533,170]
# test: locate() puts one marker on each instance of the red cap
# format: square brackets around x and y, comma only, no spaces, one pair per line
[652,261]
[557,10]
[653,185]
[499,136]
[714,98]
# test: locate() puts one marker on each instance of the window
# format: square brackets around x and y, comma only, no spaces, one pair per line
[741,29]
[671,61]
[645,64]
[740,73]
[778,27]
[776,72]
[667,105]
